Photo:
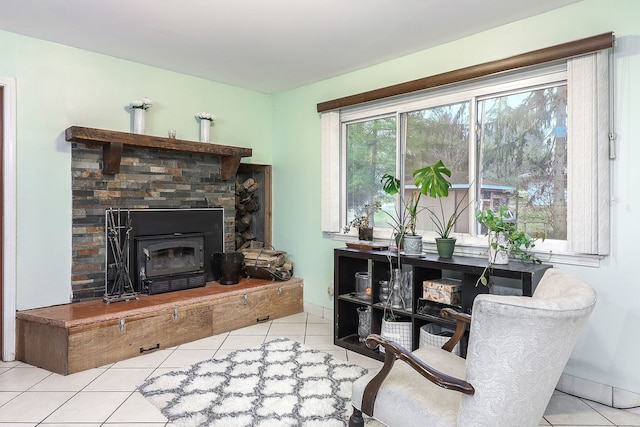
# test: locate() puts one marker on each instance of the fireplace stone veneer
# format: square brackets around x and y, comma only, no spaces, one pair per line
[148,179]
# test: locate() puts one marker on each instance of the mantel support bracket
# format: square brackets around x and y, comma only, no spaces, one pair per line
[111,156]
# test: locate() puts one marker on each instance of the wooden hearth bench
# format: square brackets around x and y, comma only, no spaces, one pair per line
[73,337]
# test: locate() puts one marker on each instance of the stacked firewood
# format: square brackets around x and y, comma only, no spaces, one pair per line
[267,263]
[247,202]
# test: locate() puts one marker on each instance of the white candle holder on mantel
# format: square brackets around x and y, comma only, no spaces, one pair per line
[206,120]
[139,107]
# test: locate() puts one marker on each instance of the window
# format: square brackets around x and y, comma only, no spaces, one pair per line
[527,139]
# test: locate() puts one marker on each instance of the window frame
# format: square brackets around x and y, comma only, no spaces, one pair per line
[467,91]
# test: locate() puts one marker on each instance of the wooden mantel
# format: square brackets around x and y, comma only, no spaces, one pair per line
[113,142]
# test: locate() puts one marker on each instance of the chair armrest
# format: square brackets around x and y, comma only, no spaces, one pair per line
[462,320]
[395,351]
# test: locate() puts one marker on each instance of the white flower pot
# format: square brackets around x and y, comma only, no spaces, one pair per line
[412,245]
[498,256]
[205,128]
[138,121]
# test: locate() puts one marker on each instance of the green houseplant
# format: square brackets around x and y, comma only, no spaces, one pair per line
[363,222]
[505,240]
[431,181]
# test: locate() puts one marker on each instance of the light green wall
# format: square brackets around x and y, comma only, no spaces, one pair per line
[609,350]
[58,87]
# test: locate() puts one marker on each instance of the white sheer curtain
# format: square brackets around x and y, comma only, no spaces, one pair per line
[588,154]
[330,172]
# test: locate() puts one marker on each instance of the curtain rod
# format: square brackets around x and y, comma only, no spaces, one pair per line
[540,56]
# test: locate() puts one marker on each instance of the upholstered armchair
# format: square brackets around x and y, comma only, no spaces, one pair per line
[517,350]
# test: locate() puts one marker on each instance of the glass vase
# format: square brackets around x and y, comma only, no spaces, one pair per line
[364,323]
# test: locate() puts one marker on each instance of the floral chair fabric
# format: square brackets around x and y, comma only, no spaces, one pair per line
[518,348]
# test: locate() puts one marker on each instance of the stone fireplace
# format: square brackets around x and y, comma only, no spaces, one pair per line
[147,178]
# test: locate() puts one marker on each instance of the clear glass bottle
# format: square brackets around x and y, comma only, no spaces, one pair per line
[395,285]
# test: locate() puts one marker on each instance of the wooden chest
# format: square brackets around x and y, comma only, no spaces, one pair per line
[74,337]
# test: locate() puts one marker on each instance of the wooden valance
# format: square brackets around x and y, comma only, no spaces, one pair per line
[541,56]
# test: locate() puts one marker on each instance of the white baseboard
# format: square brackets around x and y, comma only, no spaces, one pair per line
[316,310]
[601,393]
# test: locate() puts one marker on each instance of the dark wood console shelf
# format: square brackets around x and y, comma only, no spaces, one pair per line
[514,277]
[113,142]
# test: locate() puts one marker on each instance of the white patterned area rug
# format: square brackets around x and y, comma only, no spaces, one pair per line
[281,383]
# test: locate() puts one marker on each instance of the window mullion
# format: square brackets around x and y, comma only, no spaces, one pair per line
[474,159]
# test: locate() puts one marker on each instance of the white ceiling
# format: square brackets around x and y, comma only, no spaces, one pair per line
[263,45]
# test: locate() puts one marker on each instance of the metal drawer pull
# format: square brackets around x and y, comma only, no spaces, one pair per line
[144,350]
[175,313]
[121,323]
[245,298]
[264,319]
[279,292]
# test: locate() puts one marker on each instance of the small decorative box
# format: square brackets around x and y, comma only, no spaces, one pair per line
[444,291]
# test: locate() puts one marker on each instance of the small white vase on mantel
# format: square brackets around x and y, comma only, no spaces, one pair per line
[139,107]
[206,120]
[138,120]
[205,130]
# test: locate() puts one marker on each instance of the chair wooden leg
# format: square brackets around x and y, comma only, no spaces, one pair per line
[356,419]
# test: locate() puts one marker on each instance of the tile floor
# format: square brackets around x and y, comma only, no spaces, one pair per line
[107,396]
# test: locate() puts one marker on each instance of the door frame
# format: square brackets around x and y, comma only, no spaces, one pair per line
[9,232]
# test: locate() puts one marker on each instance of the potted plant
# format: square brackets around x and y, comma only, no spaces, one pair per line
[504,239]
[406,216]
[432,181]
[363,223]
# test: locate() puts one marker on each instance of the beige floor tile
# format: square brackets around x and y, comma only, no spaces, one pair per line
[616,416]
[150,360]
[294,318]
[295,338]
[125,379]
[317,319]
[287,330]
[72,382]
[209,343]
[257,329]
[137,409]
[565,410]
[240,342]
[22,378]
[33,406]
[6,396]
[183,358]
[11,364]
[320,329]
[67,425]
[88,407]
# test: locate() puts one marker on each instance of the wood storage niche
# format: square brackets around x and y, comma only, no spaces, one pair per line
[253,206]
